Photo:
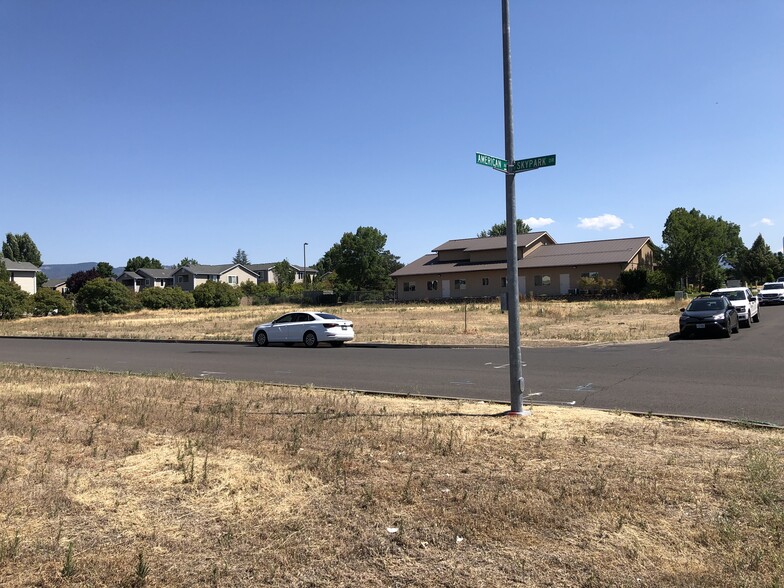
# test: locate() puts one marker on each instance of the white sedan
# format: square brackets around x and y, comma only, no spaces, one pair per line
[311,328]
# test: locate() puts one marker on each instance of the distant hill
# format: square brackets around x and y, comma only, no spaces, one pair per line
[58,271]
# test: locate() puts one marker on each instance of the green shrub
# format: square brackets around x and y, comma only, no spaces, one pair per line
[47,302]
[216,295]
[259,293]
[104,295]
[157,298]
[14,302]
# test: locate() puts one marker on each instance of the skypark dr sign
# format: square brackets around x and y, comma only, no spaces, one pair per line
[518,166]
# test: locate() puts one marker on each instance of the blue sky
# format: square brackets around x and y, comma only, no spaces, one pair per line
[192,128]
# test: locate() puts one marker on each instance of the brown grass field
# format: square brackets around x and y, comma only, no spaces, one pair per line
[123,480]
[542,323]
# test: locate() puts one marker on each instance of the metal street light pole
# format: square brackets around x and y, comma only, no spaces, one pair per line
[304,268]
[516,381]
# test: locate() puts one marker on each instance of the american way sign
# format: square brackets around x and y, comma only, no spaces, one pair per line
[490,161]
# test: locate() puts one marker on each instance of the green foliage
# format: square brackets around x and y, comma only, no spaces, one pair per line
[359,262]
[241,257]
[186,261]
[645,283]
[759,264]
[105,270]
[138,262]
[14,302]
[216,295]
[175,298]
[105,295]
[21,248]
[46,302]
[499,230]
[696,245]
[5,276]
[284,275]
[40,279]
[259,293]
[76,280]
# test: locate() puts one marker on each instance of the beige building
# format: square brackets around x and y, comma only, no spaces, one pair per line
[476,268]
[23,274]
[191,276]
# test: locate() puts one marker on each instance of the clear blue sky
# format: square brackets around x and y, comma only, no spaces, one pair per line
[190,128]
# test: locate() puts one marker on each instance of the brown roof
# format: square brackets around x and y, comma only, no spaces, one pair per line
[558,255]
[585,253]
[486,243]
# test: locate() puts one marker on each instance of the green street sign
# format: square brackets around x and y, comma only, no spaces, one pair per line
[490,161]
[524,165]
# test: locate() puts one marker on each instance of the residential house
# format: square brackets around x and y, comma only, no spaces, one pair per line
[477,267]
[147,278]
[58,285]
[191,276]
[267,274]
[22,273]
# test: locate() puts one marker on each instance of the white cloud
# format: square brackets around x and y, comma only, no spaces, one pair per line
[766,221]
[538,223]
[600,223]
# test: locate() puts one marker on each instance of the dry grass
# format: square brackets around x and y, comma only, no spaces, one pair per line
[175,482]
[542,323]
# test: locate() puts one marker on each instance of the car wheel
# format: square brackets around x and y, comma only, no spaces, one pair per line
[755,318]
[310,339]
[747,324]
[261,339]
[737,327]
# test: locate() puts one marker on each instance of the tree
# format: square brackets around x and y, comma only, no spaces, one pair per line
[47,302]
[14,302]
[186,261]
[105,270]
[241,257]
[499,230]
[360,262]
[21,248]
[105,295]
[138,262]
[76,280]
[284,275]
[216,295]
[696,247]
[759,264]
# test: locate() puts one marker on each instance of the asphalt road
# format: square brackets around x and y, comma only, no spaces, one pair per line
[740,378]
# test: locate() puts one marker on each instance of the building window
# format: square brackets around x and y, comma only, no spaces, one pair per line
[541,280]
[146,281]
[485,281]
[460,284]
[432,285]
[503,282]
[591,275]
[234,280]
[181,279]
[409,286]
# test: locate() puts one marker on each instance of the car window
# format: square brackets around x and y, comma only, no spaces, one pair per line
[286,318]
[775,286]
[706,304]
[325,315]
[303,318]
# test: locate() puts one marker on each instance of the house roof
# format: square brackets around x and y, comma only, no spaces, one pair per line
[488,243]
[556,255]
[54,283]
[156,273]
[19,266]
[585,253]
[212,269]
[131,275]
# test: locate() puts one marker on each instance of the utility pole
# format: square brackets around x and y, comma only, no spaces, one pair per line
[516,380]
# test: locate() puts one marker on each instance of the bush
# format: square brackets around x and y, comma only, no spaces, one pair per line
[633,281]
[157,298]
[104,295]
[14,302]
[47,302]
[216,295]
[259,293]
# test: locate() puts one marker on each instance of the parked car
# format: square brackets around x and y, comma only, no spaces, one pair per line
[709,314]
[310,328]
[744,302]
[771,293]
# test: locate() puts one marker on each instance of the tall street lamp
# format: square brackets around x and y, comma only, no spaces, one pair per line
[304,267]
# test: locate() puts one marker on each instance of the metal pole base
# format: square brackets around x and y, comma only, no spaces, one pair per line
[518,413]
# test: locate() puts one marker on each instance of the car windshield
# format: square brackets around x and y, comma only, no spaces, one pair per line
[735,295]
[700,304]
[325,315]
[775,286]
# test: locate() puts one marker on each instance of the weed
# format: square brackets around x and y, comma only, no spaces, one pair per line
[68,567]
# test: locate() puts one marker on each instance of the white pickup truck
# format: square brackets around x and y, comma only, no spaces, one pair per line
[745,303]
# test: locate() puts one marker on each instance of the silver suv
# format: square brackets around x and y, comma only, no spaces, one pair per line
[744,302]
